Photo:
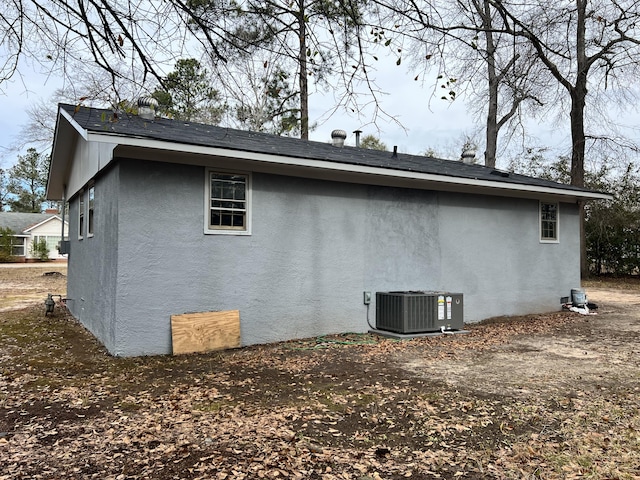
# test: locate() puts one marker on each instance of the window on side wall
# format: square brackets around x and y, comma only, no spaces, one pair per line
[91,203]
[81,215]
[549,222]
[228,199]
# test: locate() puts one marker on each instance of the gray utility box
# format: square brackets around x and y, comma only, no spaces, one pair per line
[418,312]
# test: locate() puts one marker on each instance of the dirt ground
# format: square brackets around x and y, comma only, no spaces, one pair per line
[23,284]
[553,396]
[589,354]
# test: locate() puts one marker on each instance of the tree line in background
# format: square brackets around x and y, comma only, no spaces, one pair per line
[612,228]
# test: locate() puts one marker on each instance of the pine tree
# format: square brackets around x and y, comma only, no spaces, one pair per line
[27,182]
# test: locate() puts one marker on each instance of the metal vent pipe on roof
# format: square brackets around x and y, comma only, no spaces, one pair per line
[357,132]
[468,153]
[338,137]
[147,107]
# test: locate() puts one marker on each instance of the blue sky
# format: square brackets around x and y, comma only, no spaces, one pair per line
[16,95]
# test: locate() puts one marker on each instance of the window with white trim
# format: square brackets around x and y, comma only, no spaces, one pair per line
[91,203]
[228,197]
[549,222]
[81,214]
[52,242]
[17,246]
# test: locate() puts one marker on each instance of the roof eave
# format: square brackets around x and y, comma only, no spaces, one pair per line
[127,143]
[46,220]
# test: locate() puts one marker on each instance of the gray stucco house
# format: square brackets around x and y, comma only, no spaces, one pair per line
[168,217]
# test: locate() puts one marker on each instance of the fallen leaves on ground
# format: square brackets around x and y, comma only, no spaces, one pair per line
[335,407]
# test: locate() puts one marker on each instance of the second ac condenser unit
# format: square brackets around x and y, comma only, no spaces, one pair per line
[418,312]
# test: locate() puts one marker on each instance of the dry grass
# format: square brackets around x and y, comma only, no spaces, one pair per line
[616,283]
[24,285]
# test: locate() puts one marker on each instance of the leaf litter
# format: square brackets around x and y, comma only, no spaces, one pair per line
[348,406]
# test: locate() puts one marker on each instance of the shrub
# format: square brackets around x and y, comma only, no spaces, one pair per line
[40,250]
[6,238]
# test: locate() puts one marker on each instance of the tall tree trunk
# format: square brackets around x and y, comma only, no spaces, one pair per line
[492,110]
[303,78]
[578,101]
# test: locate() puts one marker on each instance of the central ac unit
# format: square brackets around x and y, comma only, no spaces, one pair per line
[418,312]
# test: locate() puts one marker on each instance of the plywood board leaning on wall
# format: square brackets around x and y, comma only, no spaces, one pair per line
[205,331]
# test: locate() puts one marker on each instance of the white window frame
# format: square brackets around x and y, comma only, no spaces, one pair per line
[91,201]
[22,246]
[81,215]
[207,203]
[51,244]
[557,223]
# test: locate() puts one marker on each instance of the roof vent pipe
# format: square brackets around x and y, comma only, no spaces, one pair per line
[147,107]
[468,153]
[395,152]
[338,137]
[357,132]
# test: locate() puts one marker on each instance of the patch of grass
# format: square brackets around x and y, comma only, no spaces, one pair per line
[332,341]
[629,282]
[213,406]
[129,406]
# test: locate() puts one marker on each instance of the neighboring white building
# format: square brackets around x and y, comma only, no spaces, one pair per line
[31,227]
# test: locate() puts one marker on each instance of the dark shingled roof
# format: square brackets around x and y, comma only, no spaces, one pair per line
[191,133]
[19,222]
